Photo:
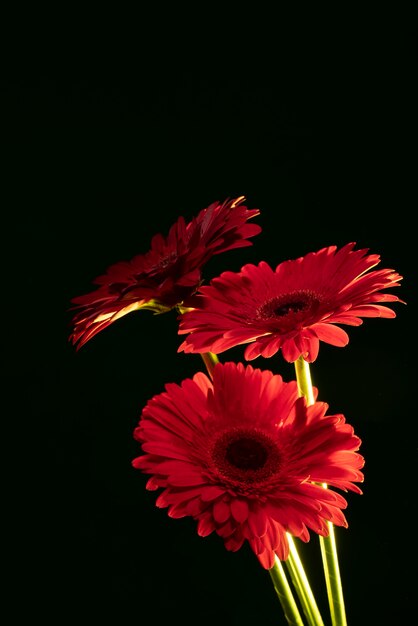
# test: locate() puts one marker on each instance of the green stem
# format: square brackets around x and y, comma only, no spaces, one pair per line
[301,584]
[284,593]
[303,378]
[332,577]
[210,360]
[328,544]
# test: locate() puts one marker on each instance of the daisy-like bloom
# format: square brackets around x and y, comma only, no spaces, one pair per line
[242,455]
[291,308]
[166,275]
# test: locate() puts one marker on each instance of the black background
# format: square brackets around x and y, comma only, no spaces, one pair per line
[111,133]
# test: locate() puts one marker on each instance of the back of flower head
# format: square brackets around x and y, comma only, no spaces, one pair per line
[169,273]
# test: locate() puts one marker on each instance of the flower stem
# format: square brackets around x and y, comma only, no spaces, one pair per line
[303,378]
[284,593]
[332,577]
[301,584]
[210,360]
[328,544]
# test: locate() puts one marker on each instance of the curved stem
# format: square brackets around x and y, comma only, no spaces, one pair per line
[301,584]
[328,545]
[284,593]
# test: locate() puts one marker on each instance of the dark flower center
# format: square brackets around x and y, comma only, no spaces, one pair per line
[245,456]
[289,309]
[246,453]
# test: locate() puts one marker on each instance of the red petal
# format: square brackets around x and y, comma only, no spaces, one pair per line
[332,334]
[239,510]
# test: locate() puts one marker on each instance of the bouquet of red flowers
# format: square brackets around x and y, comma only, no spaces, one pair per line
[246,454]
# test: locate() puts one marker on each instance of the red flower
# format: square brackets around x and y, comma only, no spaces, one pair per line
[291,308]
[166,275]
[242,456]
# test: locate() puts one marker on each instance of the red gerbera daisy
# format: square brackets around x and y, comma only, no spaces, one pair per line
[167,274]
[291,308]
[242,456]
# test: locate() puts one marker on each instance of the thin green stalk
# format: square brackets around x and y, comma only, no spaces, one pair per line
[332,577]
[210,360]
[328,544]
[284,593]
[304,381]
[301,584]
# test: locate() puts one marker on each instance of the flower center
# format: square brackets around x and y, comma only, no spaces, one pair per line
[245,456]
[287,309]
[290,307]
[246,453]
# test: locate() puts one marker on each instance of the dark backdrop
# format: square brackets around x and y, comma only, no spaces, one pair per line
[107,141]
